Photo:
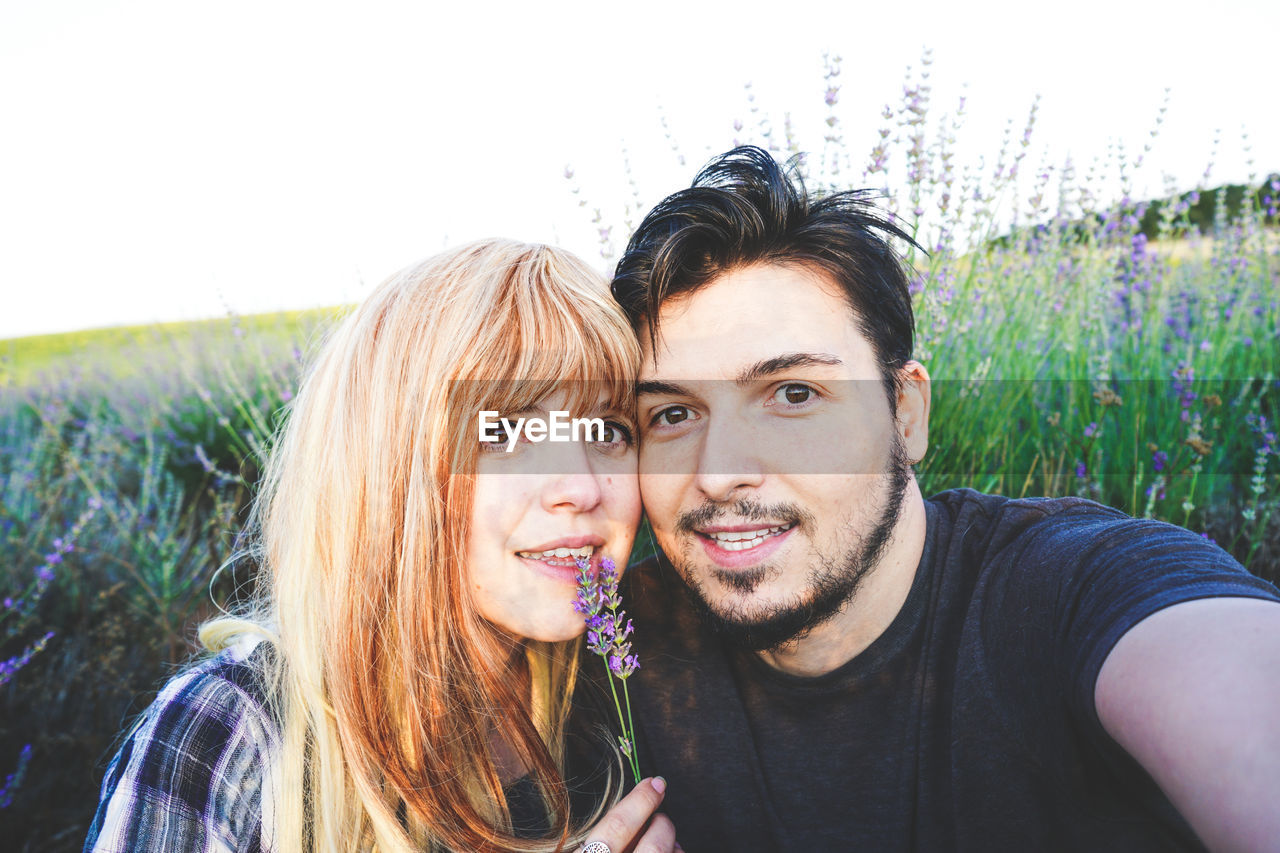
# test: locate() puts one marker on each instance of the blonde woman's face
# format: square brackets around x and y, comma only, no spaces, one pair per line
[540,506]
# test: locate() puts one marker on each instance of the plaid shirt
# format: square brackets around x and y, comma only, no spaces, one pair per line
[195,772]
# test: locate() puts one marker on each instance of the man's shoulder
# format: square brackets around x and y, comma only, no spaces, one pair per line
[987,525]
[1065,578]
[1058,552]
[972,506]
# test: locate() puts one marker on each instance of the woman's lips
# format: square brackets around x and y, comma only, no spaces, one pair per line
[560,562]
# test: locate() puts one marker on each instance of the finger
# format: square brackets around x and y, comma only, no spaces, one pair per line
[624,821]
[660,837]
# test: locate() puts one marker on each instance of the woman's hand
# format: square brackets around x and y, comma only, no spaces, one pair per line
[633,826]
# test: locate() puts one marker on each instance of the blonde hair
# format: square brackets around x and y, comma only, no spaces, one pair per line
[385,678]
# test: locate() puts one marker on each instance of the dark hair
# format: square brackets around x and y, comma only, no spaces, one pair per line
[744,208]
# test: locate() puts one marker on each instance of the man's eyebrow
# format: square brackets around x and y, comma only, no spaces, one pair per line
[769,366]
[654,386]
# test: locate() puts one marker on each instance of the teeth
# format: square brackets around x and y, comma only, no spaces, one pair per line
[741,540]
[739,535]
[584,553]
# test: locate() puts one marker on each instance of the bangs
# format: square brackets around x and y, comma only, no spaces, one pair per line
[554,328]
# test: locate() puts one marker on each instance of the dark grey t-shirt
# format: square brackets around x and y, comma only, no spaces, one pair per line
[968,725]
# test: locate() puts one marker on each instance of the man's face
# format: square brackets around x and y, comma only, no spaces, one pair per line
[771,466]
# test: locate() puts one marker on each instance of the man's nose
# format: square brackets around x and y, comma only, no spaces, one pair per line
[728,461]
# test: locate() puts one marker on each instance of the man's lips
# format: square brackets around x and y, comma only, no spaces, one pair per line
[733,546]
[724,530]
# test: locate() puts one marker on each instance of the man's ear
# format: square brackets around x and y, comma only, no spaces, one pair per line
[914,396]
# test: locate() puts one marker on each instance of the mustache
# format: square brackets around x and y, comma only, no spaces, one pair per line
[741,510]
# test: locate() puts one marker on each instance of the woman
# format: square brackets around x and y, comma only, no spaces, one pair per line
[402,681]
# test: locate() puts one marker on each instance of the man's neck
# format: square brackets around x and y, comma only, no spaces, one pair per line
[877,602]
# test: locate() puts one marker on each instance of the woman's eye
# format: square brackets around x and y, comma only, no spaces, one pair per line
[615,435]
[499,443]
[794,394]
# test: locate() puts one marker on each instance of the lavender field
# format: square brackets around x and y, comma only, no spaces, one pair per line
[1124,349]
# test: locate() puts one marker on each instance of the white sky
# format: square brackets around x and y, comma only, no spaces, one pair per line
[166,159]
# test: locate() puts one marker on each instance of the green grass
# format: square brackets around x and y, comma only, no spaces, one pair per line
[118,351]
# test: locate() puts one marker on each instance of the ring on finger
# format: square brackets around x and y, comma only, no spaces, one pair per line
[595,847]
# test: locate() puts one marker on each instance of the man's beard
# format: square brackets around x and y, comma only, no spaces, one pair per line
[831,583]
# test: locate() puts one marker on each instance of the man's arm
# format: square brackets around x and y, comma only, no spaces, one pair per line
[1193,693]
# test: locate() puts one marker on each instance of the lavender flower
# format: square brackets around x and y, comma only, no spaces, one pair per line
[14,779]
[608,636]
[12,665]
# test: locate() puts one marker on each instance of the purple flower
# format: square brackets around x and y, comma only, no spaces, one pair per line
[623,666]
[1159,459]
[1081,470]
[608,633]
[1090,431]
[14,779]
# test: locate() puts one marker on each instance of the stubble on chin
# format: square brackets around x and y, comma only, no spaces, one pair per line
[746,581]
[735,612]
[832,580]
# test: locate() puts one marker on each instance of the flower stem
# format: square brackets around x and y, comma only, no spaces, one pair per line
[631,733]
[622,721]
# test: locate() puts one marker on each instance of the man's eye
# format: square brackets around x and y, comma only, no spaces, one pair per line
[670,416]
[793,394]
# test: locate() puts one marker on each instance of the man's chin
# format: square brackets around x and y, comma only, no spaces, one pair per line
[742,584]
[755,624]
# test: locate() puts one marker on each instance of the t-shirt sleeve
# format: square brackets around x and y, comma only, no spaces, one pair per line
[1132,569]
[1108,572]
[190,774]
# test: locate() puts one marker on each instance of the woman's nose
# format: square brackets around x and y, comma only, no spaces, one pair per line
[573,485]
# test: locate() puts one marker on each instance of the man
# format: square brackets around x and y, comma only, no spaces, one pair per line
[832,662]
